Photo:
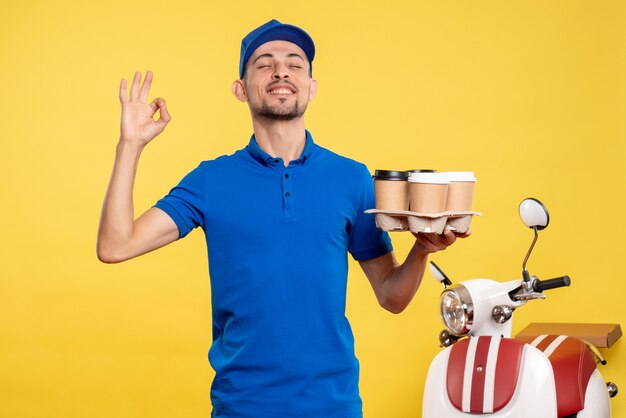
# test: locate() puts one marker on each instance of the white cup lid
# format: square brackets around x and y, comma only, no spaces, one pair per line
[460,175]
[432,178]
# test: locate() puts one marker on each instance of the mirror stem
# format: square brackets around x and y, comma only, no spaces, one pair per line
[524,271]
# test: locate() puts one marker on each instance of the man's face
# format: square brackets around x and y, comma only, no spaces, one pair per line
[276,83]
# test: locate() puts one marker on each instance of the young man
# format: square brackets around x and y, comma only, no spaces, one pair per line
[279,216]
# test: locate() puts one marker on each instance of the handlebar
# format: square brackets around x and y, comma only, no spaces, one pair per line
[541,285]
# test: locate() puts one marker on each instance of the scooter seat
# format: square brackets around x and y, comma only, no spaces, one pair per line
[572,363]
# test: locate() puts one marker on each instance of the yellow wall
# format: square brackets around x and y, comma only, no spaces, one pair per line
[528,94]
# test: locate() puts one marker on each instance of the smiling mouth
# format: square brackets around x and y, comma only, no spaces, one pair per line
[281,91]
[281,88]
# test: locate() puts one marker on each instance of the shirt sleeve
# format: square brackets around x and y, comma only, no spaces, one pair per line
[366,240]
[185,203]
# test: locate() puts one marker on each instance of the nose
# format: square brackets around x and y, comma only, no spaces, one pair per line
[280,72]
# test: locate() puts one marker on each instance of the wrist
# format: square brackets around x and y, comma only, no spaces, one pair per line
[420,251]
[129,145]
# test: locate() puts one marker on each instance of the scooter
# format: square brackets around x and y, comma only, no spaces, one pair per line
[482,370]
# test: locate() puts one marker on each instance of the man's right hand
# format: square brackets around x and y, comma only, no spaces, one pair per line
[120,237]
[138,126]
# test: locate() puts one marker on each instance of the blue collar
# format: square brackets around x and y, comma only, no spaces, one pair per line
[266,159]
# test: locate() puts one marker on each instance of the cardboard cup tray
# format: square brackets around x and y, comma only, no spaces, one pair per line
[404,220]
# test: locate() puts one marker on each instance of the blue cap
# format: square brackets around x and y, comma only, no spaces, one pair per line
[274,31]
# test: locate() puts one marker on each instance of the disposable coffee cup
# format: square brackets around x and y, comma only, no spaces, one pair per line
[460,191]
[428,192]
[391,190]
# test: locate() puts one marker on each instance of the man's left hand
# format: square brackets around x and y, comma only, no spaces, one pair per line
[430,242]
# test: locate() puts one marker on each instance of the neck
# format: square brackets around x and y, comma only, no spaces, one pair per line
[281,139]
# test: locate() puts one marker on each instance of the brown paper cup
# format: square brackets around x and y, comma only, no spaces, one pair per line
[460,191]
[391,195]
[391,190]
[428,192]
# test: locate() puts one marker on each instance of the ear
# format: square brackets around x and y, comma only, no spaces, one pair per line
[239,90]
[313,89]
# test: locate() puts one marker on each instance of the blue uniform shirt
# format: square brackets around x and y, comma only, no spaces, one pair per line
[277,241]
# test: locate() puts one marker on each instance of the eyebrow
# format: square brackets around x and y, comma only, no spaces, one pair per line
[292,55]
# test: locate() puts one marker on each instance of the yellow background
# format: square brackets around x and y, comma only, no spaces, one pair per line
[527,94]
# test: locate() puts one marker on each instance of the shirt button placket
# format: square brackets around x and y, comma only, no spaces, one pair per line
[288,197]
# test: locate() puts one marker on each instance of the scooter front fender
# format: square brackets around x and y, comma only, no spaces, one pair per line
[534,394]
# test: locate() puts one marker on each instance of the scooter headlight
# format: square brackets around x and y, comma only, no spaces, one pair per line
[457,310]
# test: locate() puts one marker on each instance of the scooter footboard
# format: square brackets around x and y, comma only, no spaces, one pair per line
[534,395]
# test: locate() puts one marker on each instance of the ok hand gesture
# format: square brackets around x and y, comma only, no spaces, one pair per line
[138,125]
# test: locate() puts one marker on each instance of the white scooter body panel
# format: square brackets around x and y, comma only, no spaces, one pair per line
[534,395]
[597,403]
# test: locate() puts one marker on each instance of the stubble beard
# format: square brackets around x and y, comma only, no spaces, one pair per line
[277,112]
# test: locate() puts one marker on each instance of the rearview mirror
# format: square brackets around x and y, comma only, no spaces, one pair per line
[534,214]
